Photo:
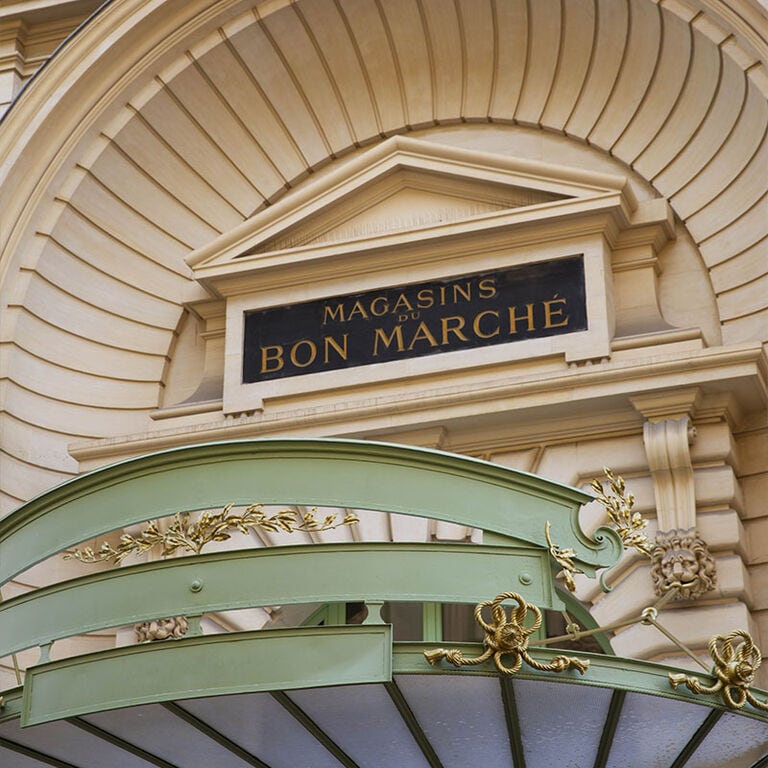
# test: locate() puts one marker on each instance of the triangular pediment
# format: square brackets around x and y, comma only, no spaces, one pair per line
[401,185]
[405,199]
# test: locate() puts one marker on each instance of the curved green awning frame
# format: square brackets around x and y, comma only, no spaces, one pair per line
[246,578]
[289,659]
[324,472]
[511,507]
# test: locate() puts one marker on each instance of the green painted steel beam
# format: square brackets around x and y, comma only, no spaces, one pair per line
[314,729]
[697,739]
[33,754]
[579,612]
[242,662]
[432,621]
[343,473]
[413,725]
[116,741]
[313,573]
[761,763]
[604,672]
[10,704]
[609,728]
[210,732]
[514,732]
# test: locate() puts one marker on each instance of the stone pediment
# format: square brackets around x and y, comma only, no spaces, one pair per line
[400,186]
[406,199]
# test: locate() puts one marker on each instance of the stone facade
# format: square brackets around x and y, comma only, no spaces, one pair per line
[177,164]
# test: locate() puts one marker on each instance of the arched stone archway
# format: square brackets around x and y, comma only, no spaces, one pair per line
[155,129]
[160,126]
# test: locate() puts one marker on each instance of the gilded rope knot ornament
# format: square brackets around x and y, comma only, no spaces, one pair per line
[618,504]
[507,636]
[737,660]
[564,558]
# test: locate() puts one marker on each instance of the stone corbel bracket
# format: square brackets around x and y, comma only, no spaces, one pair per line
[681,558]
[667,446]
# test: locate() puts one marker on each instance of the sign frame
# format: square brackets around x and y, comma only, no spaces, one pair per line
[593,343]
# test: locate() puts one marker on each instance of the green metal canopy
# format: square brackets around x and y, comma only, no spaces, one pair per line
[338,694]
[621,715]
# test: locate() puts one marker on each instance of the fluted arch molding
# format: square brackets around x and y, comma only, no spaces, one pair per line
[160,125]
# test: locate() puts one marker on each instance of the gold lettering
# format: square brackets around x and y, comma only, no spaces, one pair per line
[387,340]
[422,334]
[513,318]
[466,292]
[487,287]
[402,303]
[442,295]
[385,308]
[549,313]
[457,326]
[478,319]
[329,313]
[341,351]
[425,298]
[267,357]
[357,309]
[295,354]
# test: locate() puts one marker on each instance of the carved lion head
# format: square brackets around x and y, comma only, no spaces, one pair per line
[681,559]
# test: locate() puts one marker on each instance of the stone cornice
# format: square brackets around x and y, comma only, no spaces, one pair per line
[737,368]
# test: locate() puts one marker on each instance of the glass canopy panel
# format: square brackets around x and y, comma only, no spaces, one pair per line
[262,726]
[10,759]
[560,724]
[463,718]
[70,744]
[736,741]
[160,732]
[654,727]
[364,722]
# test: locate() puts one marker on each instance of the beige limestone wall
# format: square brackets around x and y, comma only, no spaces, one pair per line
[162,177]
[161,128]
[752,447]
[30,32]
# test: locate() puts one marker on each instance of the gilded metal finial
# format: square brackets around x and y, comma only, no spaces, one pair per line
[212,526]
[507,637]
[618,504]
[737,660]
[564,558]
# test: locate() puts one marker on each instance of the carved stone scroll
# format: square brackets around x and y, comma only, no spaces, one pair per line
[171,628]
[669,458]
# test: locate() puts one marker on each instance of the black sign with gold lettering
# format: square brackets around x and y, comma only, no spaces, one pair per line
[525,302]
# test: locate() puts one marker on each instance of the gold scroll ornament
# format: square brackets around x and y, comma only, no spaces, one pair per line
[183,535]
[563,556]
[212,526]
[507,636]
